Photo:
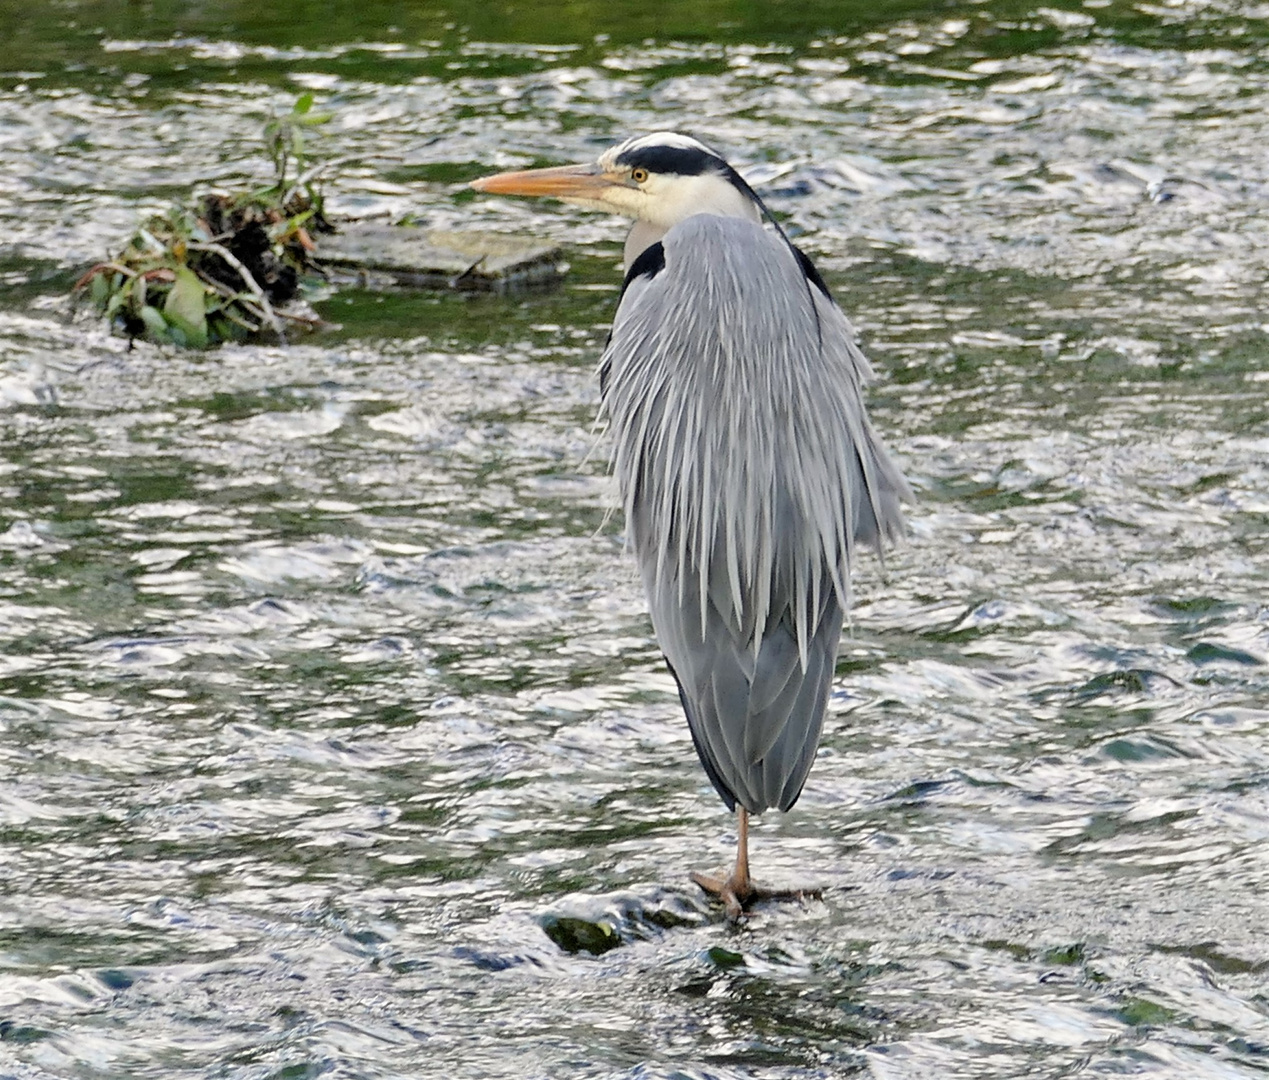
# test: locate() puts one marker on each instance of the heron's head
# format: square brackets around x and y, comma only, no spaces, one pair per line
[662,179]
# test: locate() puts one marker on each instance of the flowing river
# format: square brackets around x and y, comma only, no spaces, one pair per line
[333,737]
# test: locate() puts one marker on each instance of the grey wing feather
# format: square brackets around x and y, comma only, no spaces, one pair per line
[748,469]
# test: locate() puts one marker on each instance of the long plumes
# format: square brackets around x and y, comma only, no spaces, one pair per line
[742,448]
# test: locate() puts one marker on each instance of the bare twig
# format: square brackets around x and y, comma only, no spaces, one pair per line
[248,304]
[311,321]
[220,287]
[242,299]
[114,266]
[252,285]
[239,320]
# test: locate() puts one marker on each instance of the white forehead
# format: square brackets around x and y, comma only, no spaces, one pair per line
[658,138]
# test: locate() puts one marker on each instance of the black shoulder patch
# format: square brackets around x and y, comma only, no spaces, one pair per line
[676,160]
[651,261]
[808,268]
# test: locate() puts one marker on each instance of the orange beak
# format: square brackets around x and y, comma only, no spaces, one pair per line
[565,182]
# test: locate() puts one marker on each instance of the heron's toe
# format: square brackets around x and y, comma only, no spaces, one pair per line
[735,894]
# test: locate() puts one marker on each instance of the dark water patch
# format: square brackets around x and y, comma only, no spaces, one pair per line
[1127,682]
[1209,652]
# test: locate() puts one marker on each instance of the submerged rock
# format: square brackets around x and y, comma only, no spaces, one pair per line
[595,924]
[394,255]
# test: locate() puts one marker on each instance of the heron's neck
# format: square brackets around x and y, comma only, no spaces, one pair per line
[642,236]
[710,193]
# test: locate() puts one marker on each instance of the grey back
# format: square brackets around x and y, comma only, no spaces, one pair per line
[749,470]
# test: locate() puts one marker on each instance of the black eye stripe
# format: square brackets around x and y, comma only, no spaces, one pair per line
[679,160]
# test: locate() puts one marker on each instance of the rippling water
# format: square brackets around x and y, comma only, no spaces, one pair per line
[333,739]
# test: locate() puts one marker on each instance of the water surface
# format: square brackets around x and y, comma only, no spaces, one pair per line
[326,687]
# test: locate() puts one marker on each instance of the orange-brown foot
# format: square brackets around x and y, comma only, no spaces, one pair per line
[739,894]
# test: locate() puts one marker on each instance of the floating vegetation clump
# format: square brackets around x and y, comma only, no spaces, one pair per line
[228,266]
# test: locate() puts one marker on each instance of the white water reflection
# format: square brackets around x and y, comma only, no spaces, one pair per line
[330,711]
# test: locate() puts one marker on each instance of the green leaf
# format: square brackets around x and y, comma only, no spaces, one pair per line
[1065,954]
[1140,1012]
[725,958]
[155,325]
[100,290]
[185,307]
[302,104]
[117,299]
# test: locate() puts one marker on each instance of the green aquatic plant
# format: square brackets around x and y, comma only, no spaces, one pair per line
[221,268]
[286,139]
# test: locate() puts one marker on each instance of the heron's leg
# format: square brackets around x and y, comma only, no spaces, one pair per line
[734,891]
[738,890]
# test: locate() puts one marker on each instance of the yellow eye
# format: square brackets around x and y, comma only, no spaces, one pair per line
[639,176]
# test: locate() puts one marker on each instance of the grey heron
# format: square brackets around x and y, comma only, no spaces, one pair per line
[747,465]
